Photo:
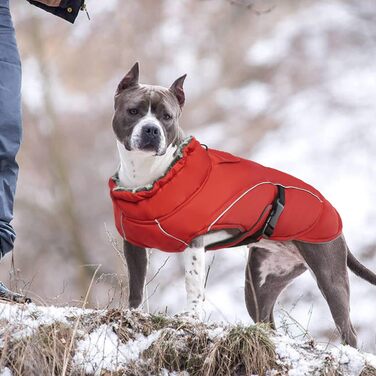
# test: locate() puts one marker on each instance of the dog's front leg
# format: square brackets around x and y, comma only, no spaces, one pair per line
[137,261]
[194,258]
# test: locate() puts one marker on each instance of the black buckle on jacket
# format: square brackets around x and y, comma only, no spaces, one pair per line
[267,230]
[275,213]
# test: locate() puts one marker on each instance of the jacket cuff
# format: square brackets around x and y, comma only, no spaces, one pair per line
[68,9]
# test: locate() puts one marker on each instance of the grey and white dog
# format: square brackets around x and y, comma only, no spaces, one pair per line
[146,125]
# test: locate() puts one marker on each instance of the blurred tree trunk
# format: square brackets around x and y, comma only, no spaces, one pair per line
[61,181]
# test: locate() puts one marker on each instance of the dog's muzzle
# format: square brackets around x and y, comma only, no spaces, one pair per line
[150,138]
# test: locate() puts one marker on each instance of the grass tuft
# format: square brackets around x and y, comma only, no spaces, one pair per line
[368,371]
[245,350]
[178,350]
[242,350]
[42,353]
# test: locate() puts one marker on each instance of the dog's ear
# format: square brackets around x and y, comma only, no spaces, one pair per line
[177,90]
[130,79]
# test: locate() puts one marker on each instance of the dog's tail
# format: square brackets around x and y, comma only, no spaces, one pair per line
[360,270]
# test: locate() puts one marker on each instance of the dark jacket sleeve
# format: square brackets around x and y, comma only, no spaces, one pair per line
[67,9]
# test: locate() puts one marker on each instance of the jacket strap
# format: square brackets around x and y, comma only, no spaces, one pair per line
[266,230]
[271,221]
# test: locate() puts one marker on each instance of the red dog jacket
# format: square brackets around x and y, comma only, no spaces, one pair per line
[207,190]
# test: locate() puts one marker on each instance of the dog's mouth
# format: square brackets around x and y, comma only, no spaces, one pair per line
[145,147]
[148,147]
[155,151]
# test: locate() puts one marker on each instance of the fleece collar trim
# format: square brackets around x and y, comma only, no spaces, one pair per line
[189,152]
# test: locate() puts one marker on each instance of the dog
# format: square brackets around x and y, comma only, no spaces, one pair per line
[149,139]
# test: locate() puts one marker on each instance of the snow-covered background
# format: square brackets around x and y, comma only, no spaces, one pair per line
[292,86]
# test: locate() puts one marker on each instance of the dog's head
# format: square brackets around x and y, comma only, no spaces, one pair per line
[146,117]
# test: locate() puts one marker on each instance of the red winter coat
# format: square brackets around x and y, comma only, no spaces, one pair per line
[208,190]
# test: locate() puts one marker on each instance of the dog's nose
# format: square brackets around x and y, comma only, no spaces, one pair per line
[150,132]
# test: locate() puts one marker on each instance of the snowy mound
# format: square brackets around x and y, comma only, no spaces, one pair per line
[39,340]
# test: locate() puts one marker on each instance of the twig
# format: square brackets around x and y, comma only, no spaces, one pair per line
[115,246]
[219,311]
[158,271]
[68,349]
[304,331]
[147,299]
[207,273]
[249,4]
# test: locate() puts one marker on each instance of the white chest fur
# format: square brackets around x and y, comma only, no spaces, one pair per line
[139,169]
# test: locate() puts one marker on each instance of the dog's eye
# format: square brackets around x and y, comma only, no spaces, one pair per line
[167,116]
[133,111]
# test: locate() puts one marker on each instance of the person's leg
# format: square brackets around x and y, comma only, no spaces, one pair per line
[10,134]
[10,124]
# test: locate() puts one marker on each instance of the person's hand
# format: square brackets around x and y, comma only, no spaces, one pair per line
[67,9]
[50,3]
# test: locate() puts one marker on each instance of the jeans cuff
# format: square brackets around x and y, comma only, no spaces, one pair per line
[7,238]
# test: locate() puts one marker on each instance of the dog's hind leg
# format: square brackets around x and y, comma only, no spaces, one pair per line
[328,263]
[270,268]
[137,261]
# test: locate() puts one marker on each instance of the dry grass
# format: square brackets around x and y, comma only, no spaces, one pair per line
[240,351]
[42,353]
[178,350]
[330,370]
[368,371]
[243,351]
[130,322]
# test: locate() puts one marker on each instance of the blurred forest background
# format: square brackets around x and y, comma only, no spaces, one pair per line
[291,84]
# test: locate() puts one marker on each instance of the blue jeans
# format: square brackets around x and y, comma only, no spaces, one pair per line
[10,124]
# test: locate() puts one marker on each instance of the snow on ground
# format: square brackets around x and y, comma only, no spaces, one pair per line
[24,319]
[5,372]
[304,358]
[100,348]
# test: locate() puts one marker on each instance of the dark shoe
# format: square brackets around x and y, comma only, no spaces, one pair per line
[6,294]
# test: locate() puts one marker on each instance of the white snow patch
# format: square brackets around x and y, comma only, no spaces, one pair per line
[300,361]
[303,358]
[165,372]
[6,372]
[216,333]
[371,359]
[103,350]
[351,359]
[23,320]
